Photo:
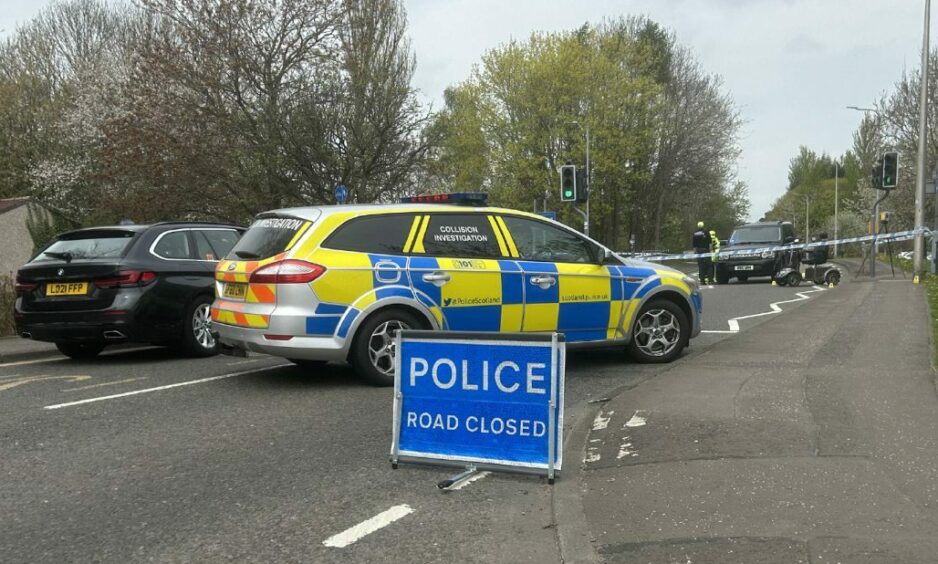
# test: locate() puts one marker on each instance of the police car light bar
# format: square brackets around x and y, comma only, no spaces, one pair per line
[459,198]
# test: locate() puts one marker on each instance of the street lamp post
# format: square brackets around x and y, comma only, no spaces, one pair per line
[836,176]
[919,247]
[807,219]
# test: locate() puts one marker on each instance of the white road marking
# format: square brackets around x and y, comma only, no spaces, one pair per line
[592,455]
[773,307]
[466,481]
[365,528]
[601,422]
[114,383]
[625,449]
[160,388]
[636,420]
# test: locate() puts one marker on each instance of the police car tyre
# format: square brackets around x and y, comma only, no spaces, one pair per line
[80,350]
[197,338]
[660,333]
[373,350]
[832,277]
[793,279]
[308,364]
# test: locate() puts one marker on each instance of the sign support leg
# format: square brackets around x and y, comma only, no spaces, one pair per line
[469,471]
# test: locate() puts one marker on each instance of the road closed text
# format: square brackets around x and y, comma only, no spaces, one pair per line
[476,424]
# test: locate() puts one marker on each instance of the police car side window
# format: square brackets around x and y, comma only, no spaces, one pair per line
[384,234]
[460,235]
[536,240]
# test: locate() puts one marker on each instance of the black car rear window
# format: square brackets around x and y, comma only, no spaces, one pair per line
[101,244]
[266,237]
[756,234]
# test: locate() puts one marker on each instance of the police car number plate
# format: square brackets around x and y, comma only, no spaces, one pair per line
[236,290]
[744,267]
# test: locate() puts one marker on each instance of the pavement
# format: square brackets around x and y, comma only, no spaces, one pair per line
[813,438]
[15,349]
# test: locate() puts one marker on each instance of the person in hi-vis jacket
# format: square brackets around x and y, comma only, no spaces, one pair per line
[701,243]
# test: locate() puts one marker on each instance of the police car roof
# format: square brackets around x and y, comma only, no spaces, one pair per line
[313,213]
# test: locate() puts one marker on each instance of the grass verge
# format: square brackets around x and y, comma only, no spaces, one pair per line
[931,292]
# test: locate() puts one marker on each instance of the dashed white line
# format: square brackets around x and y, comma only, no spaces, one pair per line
[636,420]
[367,527]
[600,422]
[160,388]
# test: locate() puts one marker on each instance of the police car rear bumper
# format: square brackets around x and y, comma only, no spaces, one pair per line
[238,340]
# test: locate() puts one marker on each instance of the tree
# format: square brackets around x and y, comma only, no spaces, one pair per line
[662,132]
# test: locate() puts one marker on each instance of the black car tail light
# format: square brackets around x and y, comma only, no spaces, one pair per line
[25,287]
[127,279]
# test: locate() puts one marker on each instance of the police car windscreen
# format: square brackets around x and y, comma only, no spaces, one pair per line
[266,237]
[753,234]
[101,244]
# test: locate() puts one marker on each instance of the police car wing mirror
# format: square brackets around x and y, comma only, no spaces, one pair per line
[608,257]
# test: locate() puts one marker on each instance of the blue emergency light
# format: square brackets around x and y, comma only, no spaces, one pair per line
[458,198]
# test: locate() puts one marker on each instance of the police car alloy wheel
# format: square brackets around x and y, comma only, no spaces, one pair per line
[660,332]
[373,351]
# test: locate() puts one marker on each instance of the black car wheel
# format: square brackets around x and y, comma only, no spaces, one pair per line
[832,277]
[660,332]
[197,338]
[793,279]
[80,350]
[374,351]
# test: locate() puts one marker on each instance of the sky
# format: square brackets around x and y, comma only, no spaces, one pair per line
[791,66]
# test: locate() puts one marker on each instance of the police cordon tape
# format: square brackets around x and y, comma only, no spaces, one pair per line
[881,238]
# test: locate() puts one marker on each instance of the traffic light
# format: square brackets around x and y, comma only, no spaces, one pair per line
[876,175]
[890,169]
[568,183]
[582,187]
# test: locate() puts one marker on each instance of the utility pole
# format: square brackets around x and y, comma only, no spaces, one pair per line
[918,249]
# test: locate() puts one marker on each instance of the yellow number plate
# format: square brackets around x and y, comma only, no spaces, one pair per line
[236,290]
[66,288]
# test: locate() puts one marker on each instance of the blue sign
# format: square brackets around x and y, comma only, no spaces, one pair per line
[548,214]
[341,193]
[493,399]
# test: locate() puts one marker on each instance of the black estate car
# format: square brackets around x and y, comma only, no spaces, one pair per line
[750,239]
[128,283]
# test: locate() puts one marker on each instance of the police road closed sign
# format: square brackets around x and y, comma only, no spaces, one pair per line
[495,400]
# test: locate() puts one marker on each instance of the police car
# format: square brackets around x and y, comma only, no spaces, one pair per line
[336,283]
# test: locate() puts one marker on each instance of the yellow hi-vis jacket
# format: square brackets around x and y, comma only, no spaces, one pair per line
[714,245]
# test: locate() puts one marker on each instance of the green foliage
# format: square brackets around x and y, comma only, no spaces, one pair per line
[662,135]
[44,225]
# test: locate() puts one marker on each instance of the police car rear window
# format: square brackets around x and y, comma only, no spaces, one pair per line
[385,234]
[266,237]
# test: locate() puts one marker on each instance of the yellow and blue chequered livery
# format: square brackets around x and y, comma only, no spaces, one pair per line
[335,276]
